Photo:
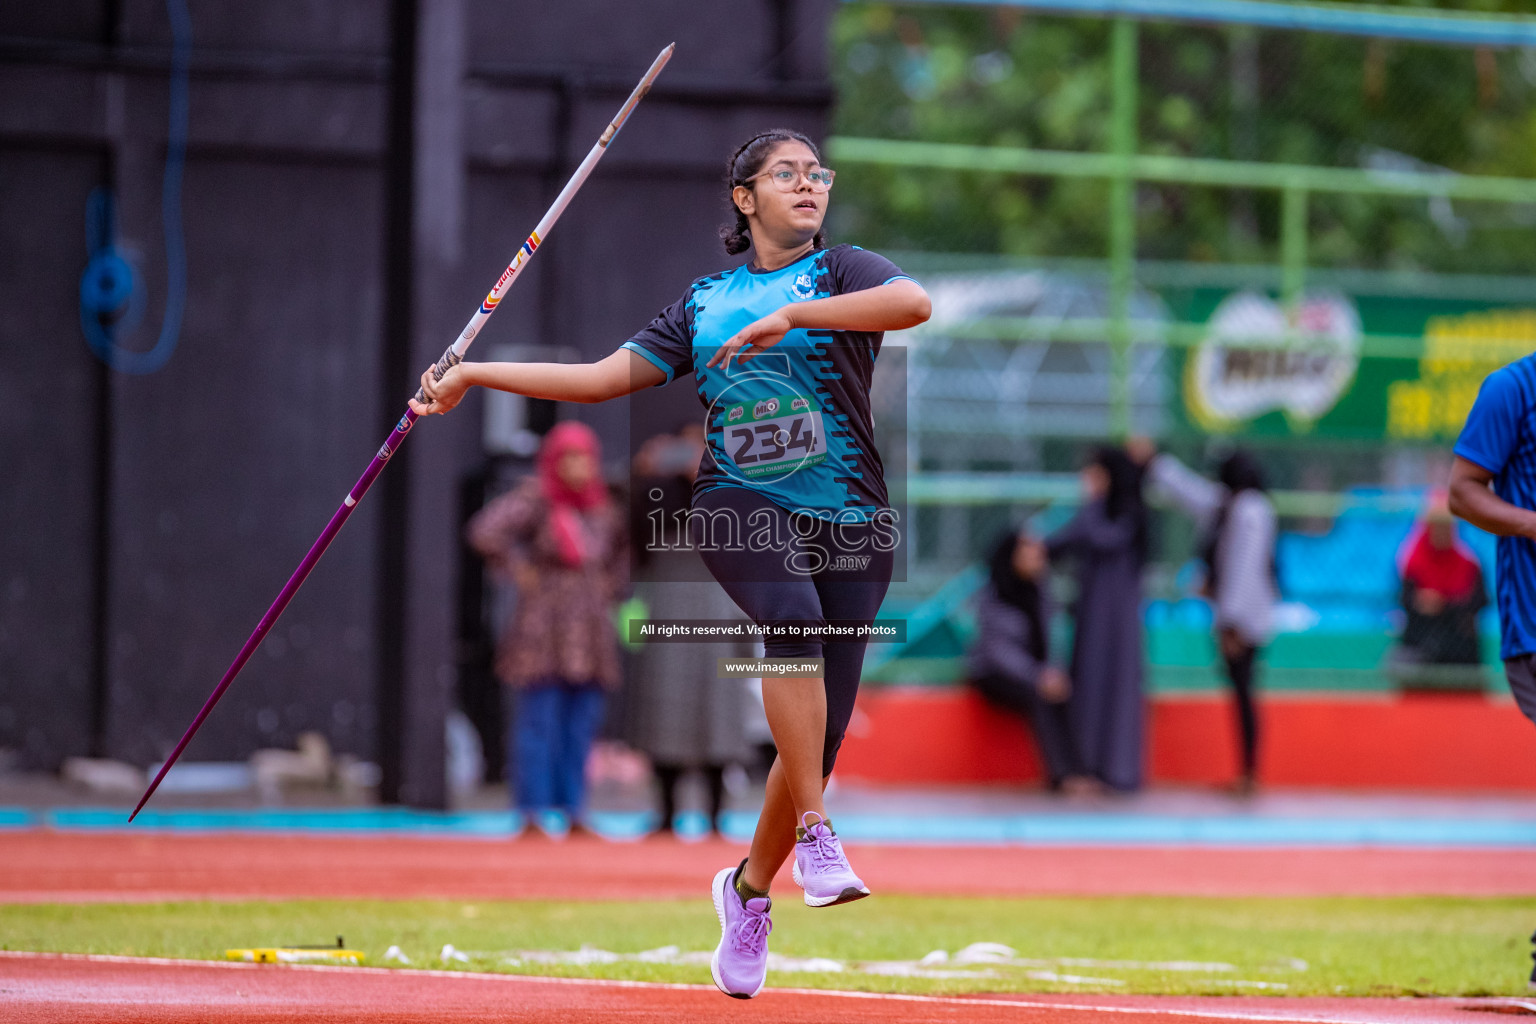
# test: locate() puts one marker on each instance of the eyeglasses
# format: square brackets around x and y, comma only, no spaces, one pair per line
[786,178]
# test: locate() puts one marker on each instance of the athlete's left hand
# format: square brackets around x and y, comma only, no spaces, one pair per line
[754,338]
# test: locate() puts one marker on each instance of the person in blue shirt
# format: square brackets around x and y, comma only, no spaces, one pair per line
[790,509]
[1493,485]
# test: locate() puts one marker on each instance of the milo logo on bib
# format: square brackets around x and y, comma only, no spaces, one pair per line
[775,435]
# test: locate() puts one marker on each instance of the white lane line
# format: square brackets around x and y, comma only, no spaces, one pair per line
[666,986]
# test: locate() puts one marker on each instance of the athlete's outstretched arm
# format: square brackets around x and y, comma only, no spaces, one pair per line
[894,306]
[1471,498]
[622,373]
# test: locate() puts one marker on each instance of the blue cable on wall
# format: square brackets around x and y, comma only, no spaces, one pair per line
[111,291]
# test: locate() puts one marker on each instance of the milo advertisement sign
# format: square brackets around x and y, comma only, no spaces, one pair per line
[1259,369]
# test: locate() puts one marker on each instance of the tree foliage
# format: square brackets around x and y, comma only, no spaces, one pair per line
[1006,77]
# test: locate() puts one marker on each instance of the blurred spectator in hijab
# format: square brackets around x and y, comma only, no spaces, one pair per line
[562,541]
[684,718]
[1442,594]
[1010,662]
[1107,540]
[1238,528]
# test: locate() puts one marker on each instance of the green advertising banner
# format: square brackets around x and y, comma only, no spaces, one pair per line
[1338,366]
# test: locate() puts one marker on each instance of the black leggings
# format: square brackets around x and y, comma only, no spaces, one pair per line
[1240,672]
[791,582]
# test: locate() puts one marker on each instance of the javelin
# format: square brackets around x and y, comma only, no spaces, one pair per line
[451,358]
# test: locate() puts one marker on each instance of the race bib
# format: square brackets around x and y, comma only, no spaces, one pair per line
[774,435]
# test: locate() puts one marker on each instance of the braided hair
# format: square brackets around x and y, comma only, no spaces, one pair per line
[743,164]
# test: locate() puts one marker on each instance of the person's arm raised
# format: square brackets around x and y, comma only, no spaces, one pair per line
[621,373]
[1471,498]
[894,306]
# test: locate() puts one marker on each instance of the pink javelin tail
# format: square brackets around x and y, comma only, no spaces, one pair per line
[332,528]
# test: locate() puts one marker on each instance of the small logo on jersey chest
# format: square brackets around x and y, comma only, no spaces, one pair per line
[804,286]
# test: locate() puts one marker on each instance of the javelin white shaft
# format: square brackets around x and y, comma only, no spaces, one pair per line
[476,322]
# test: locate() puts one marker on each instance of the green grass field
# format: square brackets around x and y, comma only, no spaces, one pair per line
[1389,946]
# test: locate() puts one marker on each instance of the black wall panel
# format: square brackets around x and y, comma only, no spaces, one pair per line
[75,20]
[48,455]
[135,559]
[230,461]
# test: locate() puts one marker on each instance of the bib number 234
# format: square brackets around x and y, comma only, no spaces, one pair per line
[775,435]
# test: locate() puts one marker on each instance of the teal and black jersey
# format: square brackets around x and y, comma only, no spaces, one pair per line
[794,422]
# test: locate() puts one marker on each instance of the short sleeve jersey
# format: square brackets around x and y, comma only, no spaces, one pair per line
[792,423]
[1500,436]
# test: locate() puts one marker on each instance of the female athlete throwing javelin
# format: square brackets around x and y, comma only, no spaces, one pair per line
[790,511]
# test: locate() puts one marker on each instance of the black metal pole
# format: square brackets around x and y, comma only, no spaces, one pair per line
[395,373]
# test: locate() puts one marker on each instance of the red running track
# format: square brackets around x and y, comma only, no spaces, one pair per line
[38,988]
[46,866]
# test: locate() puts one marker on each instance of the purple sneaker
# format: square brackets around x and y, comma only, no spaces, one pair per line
[740,963]
[821,868]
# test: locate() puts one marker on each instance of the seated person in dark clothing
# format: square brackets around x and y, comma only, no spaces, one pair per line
[1010,661]
[1442,595]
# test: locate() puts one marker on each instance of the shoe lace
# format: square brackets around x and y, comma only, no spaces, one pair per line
[824,846]
[752,933]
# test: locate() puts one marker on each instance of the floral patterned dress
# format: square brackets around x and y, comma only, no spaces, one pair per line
[562,626]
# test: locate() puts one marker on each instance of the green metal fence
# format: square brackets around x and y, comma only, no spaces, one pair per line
[1472,304]
[1123,166]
